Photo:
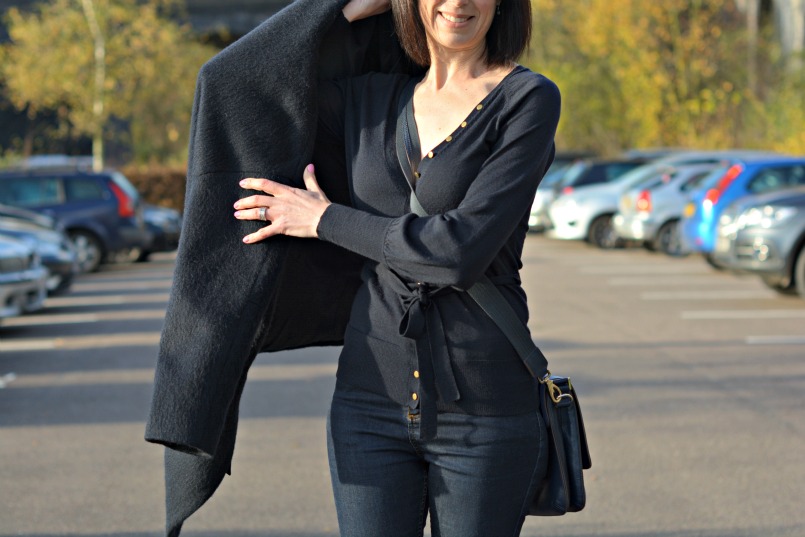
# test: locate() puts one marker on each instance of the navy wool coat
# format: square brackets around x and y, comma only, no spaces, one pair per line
[254,115]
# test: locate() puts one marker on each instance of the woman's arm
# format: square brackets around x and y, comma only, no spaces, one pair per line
[454,248]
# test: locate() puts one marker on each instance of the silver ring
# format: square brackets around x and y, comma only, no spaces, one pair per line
[262,213]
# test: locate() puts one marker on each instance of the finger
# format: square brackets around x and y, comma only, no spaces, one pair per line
[265,185]
[251,214]
[254,201]
[309,177]
[263,234]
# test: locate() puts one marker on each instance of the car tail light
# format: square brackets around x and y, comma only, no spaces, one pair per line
[644,202]
[567,190]
[125,205]
[714,194]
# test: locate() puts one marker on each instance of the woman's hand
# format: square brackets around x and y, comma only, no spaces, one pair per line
[361,9]
[289,211]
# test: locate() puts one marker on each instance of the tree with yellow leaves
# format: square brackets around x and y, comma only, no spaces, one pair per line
[93,61]
[672,73]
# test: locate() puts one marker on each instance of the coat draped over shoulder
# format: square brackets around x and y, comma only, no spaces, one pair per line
[254,115]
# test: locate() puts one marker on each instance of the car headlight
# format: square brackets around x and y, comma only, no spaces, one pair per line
[765,217]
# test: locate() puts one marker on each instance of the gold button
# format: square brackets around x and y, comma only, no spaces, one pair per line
[449,138]
[416,374]
[414,396]
[430,155]
[463,124]
[479,107]
[417,175]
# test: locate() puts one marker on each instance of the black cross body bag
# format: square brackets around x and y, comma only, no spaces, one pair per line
[563,487]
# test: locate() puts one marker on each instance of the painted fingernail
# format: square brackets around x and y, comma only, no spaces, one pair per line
[247,239]
[242,183]
[310,168]
[237,214]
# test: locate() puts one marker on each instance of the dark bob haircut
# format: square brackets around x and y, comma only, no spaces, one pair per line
[506,39]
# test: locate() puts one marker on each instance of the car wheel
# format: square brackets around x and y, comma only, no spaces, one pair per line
[143,257]
[775,285]
[799,273]
[602,233]
[712,262]
[88,250]
[669,240]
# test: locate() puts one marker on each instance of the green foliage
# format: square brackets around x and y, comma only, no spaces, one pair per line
[150,61]
[672,73]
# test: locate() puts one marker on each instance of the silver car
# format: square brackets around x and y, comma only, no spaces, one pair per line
[23,279]
[538,219]
[650,211]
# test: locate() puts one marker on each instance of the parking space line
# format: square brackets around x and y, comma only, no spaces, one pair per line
[67,301]
[727,294]
[742,314]
[82,318]
[136,339]
[775,340]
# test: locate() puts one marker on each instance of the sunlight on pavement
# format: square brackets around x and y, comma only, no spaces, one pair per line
[138,339]
[153,285]
[140,376]
[81,318]
[62,302]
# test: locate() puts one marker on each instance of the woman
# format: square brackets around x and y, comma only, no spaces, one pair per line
[433,411]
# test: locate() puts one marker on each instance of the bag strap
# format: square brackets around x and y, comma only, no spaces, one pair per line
[484,292]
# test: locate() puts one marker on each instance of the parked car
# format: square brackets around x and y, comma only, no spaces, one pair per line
[586,213]
[566,212]
[650,212]
[538,219]
[742,178]
[165,225]
[765,235]
[101,212]
[51,244]
[22,278]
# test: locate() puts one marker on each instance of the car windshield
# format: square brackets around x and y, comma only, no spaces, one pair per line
[573,172]
[555,174]
[707,181]
[699,180]
[604,172]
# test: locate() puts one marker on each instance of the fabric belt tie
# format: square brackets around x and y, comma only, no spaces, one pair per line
[422,322]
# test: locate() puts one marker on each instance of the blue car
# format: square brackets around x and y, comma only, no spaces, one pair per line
[738,179]
[101,212]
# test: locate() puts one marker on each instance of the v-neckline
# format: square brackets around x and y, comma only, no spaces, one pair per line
[414,130]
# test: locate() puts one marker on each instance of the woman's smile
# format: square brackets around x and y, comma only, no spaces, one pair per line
[457,20]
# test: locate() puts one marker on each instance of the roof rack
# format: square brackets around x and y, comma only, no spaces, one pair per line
[53,163]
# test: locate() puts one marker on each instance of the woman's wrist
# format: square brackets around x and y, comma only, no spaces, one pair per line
[361,9]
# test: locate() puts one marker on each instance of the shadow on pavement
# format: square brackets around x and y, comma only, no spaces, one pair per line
[184,534]
[130,403]
[782,531]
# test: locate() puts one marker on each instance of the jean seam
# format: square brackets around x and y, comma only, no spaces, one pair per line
[423,504]
[542,453]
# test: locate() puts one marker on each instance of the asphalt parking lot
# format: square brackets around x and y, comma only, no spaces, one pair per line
[692,384]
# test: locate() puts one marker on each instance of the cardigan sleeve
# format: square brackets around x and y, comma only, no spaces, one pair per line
[455,248]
